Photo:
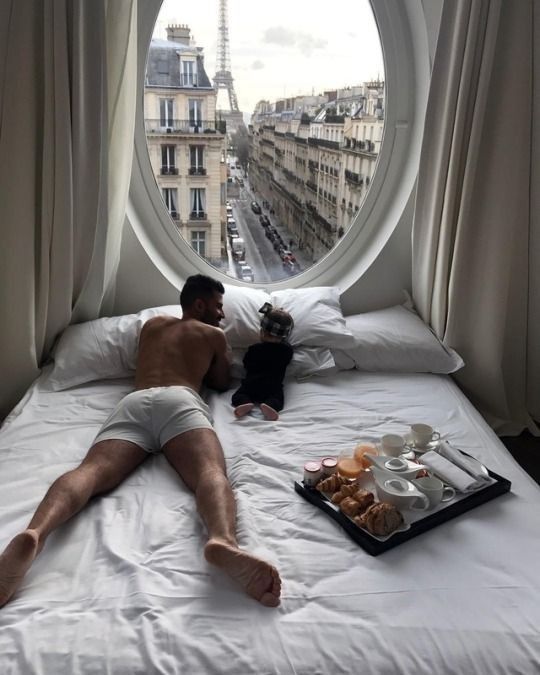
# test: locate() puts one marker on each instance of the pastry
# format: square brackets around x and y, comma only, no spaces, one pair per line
[365,498]
[337,497]
[331,484]
[345,491]
[380,519]
[349,506]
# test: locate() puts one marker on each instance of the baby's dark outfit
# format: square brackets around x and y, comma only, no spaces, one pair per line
[265,364]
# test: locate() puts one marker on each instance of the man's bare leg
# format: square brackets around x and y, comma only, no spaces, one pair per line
[198,458]
[104,467]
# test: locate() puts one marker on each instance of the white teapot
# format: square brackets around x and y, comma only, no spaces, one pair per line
[398,491]
[395,465]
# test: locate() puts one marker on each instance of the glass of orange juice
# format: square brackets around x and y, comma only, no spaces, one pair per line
[362,449]
[349,467]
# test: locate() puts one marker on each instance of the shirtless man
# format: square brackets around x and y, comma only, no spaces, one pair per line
[175,358]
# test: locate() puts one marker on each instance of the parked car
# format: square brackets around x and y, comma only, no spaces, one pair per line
[286,254]
[291,267]
[255,207]
[264,220]
[238,249]
[246,273]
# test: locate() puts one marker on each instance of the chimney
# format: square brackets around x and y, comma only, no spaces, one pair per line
[179,33]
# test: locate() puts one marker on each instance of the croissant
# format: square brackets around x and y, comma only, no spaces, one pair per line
[349,506]
[380,519]
[349,490]
[365,498]
[337,497]
[330,484]
[345,491]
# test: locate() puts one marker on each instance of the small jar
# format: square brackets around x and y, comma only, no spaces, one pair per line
[328,466]
[312,473]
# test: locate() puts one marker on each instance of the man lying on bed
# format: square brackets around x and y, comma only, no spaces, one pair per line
[175,358]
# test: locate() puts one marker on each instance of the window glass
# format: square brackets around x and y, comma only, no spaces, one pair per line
[269,130]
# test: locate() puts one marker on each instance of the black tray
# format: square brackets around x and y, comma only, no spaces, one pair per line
[374,546]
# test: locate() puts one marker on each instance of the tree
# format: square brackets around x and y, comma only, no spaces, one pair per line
[240,145]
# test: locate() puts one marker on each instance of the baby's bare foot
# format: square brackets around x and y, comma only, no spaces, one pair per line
[243,409]
[269,412]
[15,562]
[259,579]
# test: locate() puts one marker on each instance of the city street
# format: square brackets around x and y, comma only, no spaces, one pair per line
[265,262]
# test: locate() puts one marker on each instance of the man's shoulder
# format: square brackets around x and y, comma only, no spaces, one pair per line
[161,320]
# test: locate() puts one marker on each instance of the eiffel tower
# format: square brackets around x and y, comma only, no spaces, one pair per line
[223,78]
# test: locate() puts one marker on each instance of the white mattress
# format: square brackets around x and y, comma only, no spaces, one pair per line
[123,587]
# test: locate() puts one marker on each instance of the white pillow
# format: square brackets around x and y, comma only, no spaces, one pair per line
[306,362]
[102,349]
[242,321]
[396,340]
[318,319]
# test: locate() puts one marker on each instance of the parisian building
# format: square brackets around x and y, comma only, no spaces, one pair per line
[313,158]
[186,143]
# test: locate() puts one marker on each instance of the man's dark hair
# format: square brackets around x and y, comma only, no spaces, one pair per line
[199,286]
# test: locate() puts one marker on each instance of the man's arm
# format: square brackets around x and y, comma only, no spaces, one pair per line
[219,374]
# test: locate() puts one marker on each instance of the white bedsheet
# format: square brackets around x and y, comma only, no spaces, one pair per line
[123,587]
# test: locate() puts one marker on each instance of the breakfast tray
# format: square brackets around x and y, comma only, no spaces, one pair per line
[376,545]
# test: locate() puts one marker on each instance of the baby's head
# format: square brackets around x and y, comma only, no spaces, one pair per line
[276,324]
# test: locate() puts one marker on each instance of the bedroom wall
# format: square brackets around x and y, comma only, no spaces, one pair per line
[140,284]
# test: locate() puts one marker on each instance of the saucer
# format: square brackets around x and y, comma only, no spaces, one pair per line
[420,449]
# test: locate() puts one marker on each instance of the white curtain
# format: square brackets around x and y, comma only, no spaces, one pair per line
[476,230]
[67,112]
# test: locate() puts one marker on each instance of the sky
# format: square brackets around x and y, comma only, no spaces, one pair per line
[302,47]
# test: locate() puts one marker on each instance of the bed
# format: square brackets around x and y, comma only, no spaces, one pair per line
[123,587]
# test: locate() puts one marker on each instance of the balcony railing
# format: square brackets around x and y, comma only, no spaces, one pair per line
[323,142]
[169,171]
[354,178]
[197,215]
[159,126]
[197,171]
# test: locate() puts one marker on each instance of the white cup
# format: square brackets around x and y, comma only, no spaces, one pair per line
[422,434]
[434,489]
[392,445]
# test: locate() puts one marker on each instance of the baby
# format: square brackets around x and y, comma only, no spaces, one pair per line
[265,363]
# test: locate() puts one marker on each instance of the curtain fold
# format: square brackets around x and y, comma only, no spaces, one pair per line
[67,113]
[473,223]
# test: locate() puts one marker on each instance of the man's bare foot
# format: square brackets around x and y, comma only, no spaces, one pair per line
[15,562]
[259,579]
[269,412]
[243,409]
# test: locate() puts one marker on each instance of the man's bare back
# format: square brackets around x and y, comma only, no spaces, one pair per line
[183,352]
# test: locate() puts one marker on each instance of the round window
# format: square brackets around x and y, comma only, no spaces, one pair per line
[276,152]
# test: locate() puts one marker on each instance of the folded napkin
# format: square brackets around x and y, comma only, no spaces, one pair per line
[447,468]
[469,464]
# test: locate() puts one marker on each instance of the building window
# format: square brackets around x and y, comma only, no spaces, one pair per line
[195,113]
[196,159]
[198,202]
[168,161]
[198,242]
[170,197]
[189,74]
[166,117]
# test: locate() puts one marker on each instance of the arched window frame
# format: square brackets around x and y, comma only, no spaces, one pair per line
[405,48]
